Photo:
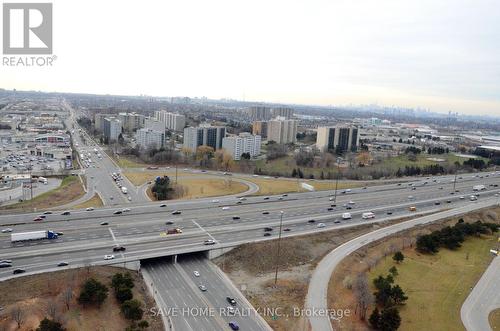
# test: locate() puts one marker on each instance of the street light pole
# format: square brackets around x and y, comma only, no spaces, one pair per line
[455,181]
[336,182]
[279,246]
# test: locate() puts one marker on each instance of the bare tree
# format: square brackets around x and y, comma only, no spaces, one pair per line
[363,295]
[17,315]
[67,296]
[52,309]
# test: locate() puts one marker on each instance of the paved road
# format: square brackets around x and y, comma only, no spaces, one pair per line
[484,298]
[318,286]
[189,308]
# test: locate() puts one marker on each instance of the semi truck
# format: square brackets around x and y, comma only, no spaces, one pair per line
[478,188]
[33,235]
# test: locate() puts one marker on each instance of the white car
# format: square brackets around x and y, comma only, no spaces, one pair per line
[321,225]
[215,201]
[351,202]
[225,208]
[89,208]
[230,310]
[125,210]
[196,273]
[346,216]
[7,230]
[109,257]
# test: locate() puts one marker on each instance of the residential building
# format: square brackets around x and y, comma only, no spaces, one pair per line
[259,113]
[244,143]
[260,128]
[204,135]
[337,138]
[285,112]
[172,121]
[131,121]
[146,137]
[282,131]
[112,128]
[153,124]
[99,121]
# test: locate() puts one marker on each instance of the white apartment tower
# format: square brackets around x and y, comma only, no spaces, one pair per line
[282,131]
[244,143]
[172,121]
[150,138]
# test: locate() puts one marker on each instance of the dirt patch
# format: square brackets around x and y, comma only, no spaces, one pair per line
[94,202]
[494,319]
[193,188]
[42,295]
[371,257]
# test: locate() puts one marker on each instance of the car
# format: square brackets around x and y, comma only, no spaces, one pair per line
[329,209]
[266,198]
[209,242]
[437,203]
[333,205]
[236,217]
[203,288]
[111,198]
[215,201]
[109,257]
[311,221]
[225,208]
[284,195]
[230,310]
[336,222]
[37,219]
[119,249]
[346,216]
[234,326]
[267,234]
[265,213]
[89,208]
[239,202]
[287,229]
[348,207]
[321,225]
[169,222]
[176,212]
[351,202]
[5,265]
[65,213]
[242,199]
[196,273]
[389,212]
[125,210]
[267,229]
[7,230]
[104,223]
[18,271]
[280,198]
[6,261]
[62,264]
[231,301]
[163,205]
[448,201]
[129,198]
[48,212]
[462,197]
[117,212]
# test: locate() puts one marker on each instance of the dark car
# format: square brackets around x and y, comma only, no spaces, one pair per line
[38,219]
[5,265]
[169,222]
[231,301]
[267,234]
[348,207]
[287,229]
[47,212]
[330,209]
[117,212]
[448,201]
[62,264]
[336,222]
[265,213]
[66,213]
[236,217]
[285,195]
[311,221]
[18,271]
[437,203]
[176,212]
[42,216]
[389,212]
[234,326]
[266,198]
[104,223]
[333,205]
[267,229]
[119,249]
[163,205]
[239,202]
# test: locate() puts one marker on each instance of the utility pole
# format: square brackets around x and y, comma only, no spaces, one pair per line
[176,172]
[455,181]
[337,181]
[279,246]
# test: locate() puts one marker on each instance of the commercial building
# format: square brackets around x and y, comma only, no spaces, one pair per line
[260,128]
[244,143]
[172,121]
[282,131]
[259,113]
[112,128]
[131,121]
[337,138]
[204,135]
[285,112]
[150,138]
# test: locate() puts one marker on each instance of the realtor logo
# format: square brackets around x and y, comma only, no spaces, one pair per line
[27,28]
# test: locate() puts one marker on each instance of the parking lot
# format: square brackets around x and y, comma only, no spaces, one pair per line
[16,159]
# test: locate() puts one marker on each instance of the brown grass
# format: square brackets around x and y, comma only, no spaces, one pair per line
[494,319]
[139,178]
[192,188]
[95,202]
[35,293]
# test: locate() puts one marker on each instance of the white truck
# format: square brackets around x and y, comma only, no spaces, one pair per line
[476,188]
[33,235]
[124,190]
[42,180]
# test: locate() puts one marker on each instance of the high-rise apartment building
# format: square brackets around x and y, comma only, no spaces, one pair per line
[204,135]
[282,131]
[99,121]
[259,113]
[131,121]
[244,143]
[112,128]
[172,121]
[260,128]
[153,124]
[146,137]
[285,112]
[337,138]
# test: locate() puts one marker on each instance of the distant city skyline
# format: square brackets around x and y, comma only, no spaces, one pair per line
[437,55]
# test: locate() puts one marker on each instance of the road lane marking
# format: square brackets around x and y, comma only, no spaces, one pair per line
[202,229]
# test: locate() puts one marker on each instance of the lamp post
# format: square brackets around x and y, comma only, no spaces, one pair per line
[279,246]
[337,181]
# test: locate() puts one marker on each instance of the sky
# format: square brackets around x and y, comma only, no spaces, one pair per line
[442,55]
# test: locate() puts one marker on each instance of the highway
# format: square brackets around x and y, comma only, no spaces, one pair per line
[484,298]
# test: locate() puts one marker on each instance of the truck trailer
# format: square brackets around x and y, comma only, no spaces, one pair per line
[33,235]
[478,188]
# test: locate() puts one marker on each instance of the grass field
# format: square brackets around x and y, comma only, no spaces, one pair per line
[437,285]
[192,188]
[128,162]
[69,190]
[95,202]
[140,178]
[494,319]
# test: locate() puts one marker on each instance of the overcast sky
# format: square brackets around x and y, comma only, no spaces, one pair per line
[437,54]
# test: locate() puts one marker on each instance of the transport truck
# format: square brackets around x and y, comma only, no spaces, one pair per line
[478,188]
[174,231]
[33,235]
